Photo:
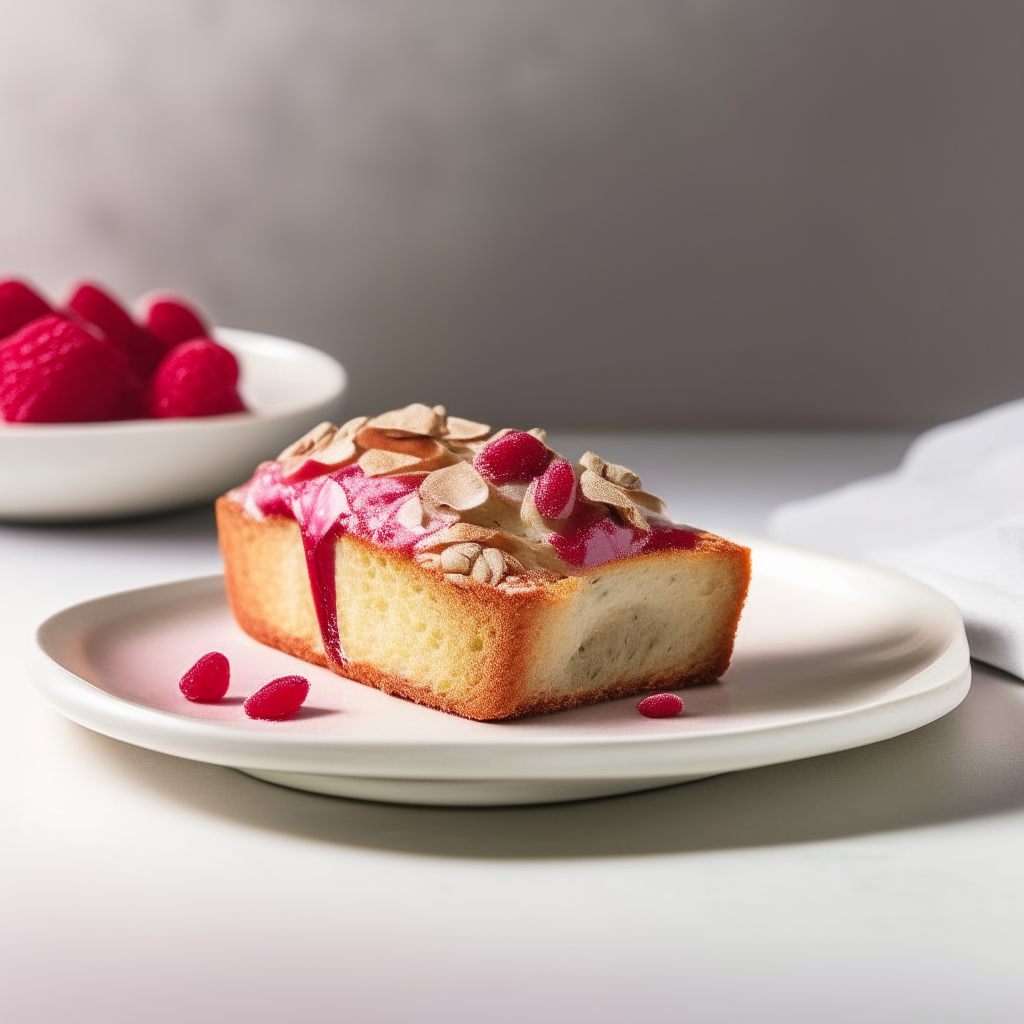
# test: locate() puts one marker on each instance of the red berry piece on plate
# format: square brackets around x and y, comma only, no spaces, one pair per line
[53,371]
[513,456]
[19,305]
[555,492]
[196,378]
[173,320]
[660,705]
[280,698]
[143,348]
[207,680]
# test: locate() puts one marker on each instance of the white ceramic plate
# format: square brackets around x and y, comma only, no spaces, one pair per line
[831,654]
[74,471]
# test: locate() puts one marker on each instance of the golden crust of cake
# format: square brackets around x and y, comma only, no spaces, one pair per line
[653,621]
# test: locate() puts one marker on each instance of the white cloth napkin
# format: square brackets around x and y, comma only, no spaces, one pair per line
[952,516]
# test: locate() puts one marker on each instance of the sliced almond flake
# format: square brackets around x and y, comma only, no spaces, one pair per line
[441,411]
[529,514]
[468,548]
[321,434]
[352,427]
[481,571]
[340,452]
[459,429]
[429,560]
[495,560]
[454,534]
[622,476]
[456,561]
[513,565]
[538,432]
[457,578]
[459,487]
[416,418]
[410,514]
[650,502]
[598,489]
[592,462]
[378,463]
[635,517]
[422,447]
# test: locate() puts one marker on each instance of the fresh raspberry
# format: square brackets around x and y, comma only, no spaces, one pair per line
[207,680]
[173,320]
[555,492]
[196,378]
[143,348]
[19,305]
[514,456]
[52,371]
[280,698]
[660,705]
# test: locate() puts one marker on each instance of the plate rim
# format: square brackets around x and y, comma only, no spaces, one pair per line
[923,696]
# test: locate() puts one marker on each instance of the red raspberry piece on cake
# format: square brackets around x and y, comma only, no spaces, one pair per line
[53,371]
[514,456]
[196,378]
[19,305]
[208,679]
[173,320]
[280,698]
[143,349]
[660,705]
[555,492]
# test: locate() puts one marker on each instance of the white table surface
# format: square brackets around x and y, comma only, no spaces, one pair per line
[882,884]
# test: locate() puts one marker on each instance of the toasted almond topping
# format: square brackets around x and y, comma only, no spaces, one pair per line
[538,432]
[588,460]
[379,463]
[352,427]
[456,561]
[454,534]
[459,429]
[457,578]
[495,560]
[320,435]
[458,487]
[481,571]
[532,518]
[429,560]
[468,548]
[410,514]
[632,514]
[422,448]
[339,452]
[596,488]
[441,411]
[621,476]
[513,565]
[416,419]
[651,502]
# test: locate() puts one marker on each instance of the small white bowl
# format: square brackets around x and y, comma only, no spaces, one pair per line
[75,471]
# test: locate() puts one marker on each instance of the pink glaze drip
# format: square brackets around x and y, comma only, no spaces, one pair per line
[592,539]
[328,505]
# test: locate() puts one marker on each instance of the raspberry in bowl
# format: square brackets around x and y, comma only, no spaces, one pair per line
[108,413]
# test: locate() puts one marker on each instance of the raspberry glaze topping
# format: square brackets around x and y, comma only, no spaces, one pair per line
[533,515]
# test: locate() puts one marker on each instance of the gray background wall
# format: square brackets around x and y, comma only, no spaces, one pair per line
[711,213]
